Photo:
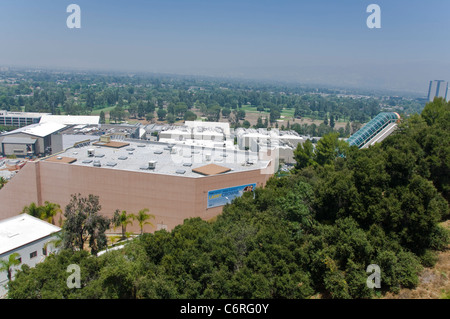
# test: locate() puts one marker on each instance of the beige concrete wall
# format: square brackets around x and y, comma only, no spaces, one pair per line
[19,192]
[171,199]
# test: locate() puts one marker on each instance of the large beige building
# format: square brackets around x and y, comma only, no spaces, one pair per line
[174,182]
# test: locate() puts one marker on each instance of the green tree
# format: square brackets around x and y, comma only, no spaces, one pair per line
[3,182]
[347,131]
[83,222]
[259,123]
[142,218]
[149,117]
[33,210]
[190,116]
[180,109]
[304,155]
[329,148]
[122,219]
[102,118]
[226,112]
[240,114]
[161,114]
[49,211]
[213,113]
[436,111]
[170,118]
[332,121]
[7,265]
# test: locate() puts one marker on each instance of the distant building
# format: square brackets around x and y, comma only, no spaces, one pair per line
[19,119]
[282,142]
[46,135]
[32,140]
[437,88]
[29,237]
[198,133]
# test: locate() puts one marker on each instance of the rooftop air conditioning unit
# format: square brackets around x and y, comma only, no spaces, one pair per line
[208,157]
[151,164]
[90,152]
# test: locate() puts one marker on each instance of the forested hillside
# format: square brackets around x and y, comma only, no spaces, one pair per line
[312,232]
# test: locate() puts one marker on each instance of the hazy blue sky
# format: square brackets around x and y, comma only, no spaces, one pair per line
[323,41]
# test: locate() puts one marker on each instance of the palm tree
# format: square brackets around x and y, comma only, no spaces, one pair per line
[7,265]
[57,240]
[122,219]
[49,211]
[142,217]
[33,210]
[3,181]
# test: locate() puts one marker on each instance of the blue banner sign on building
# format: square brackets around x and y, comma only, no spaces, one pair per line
[221,197]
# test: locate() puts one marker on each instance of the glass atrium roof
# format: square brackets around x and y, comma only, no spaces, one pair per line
[372,128]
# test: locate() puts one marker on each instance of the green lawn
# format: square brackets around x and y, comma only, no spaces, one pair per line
[252,109]
[105,109]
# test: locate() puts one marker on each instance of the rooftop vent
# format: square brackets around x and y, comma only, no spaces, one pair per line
[122,158]
[99,155]
[111,164]
[151,164]
[90,152]
[88,161]
[180,171]
[157,152]
[97,163]
[187,164]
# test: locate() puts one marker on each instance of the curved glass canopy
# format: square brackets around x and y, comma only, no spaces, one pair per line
[368,131]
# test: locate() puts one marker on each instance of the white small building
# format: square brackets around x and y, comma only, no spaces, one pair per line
[208,134]
[28,236]
[282,142]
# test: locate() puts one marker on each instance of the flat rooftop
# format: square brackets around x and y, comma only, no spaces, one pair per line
[21,230]
[168,159]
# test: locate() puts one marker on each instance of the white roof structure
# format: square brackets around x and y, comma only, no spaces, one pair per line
[71,119]
[43,129]
[223,126]
[18,140]
[23,229]
[169,159]
[38,129]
